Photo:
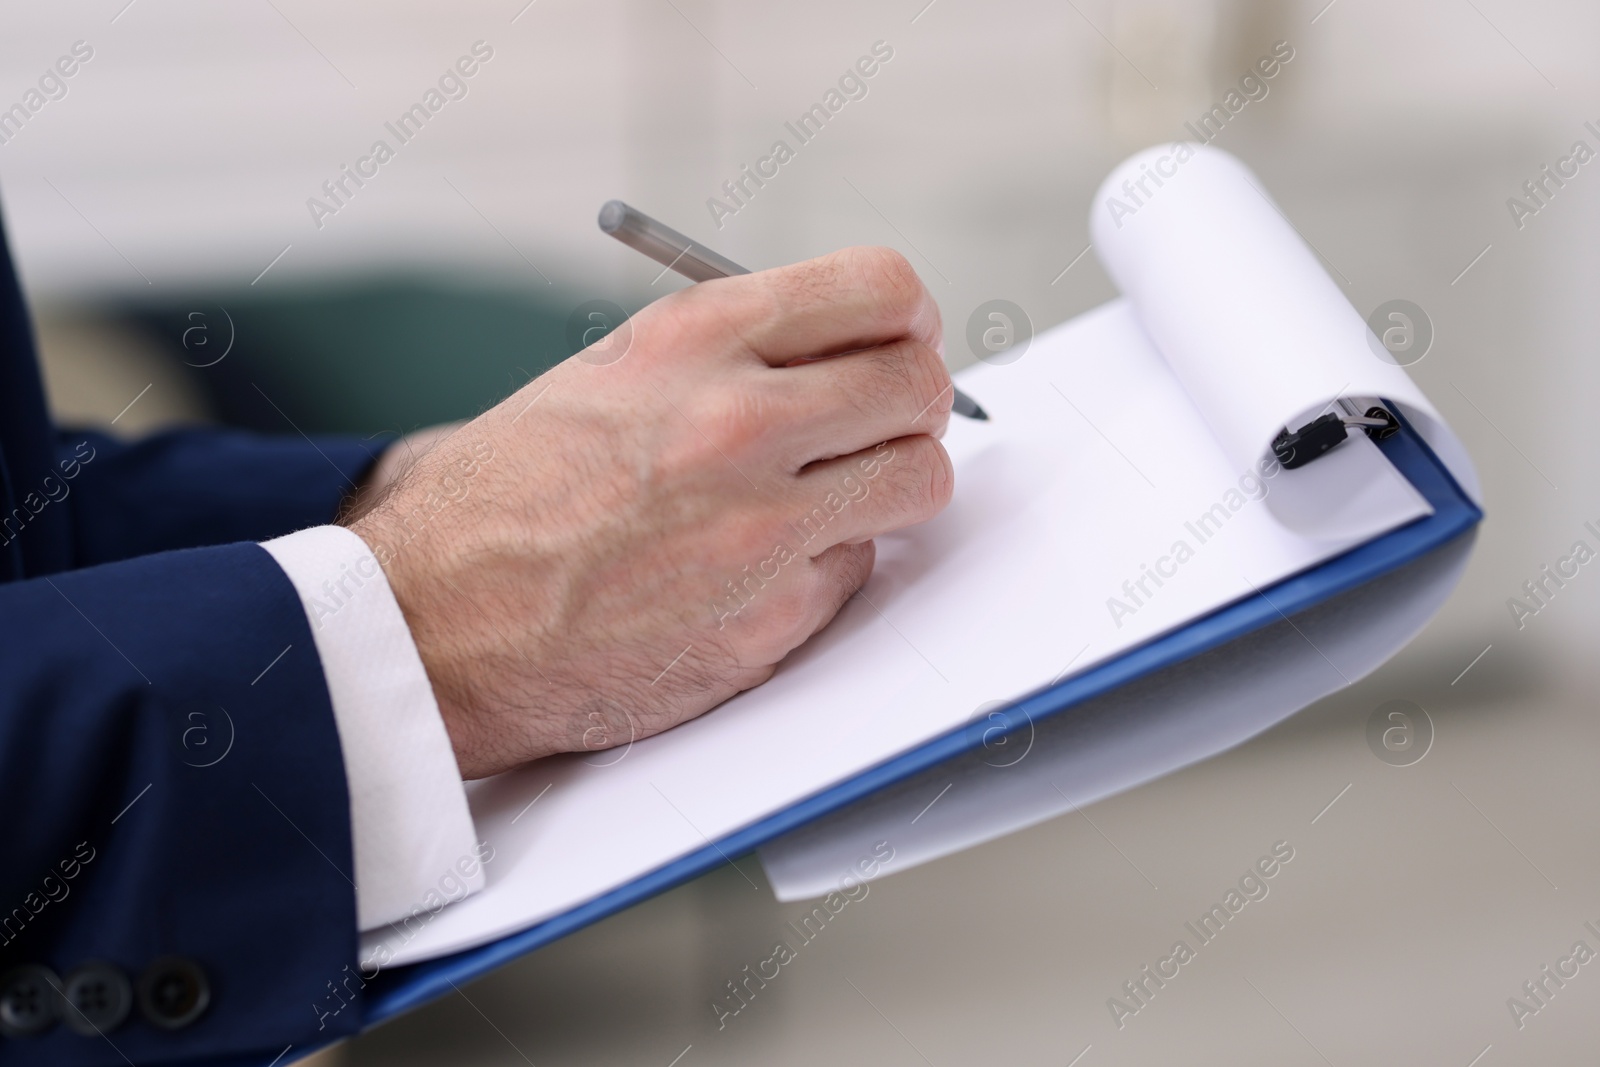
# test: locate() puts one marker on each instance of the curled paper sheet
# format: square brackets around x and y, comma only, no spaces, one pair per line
[1253,326]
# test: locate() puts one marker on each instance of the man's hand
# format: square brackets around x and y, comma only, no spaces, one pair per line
[649,527]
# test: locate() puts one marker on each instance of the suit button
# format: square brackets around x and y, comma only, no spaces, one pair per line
[173,992]
[30,1000]
[98,998]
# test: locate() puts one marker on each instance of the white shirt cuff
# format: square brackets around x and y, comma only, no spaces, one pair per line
[413,836]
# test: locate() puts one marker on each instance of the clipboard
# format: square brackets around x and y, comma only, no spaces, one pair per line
[1197,266]
[1455,514]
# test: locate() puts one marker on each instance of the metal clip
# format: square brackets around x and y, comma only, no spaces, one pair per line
[1296,448]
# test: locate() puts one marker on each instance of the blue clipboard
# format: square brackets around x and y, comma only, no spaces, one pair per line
[403,988]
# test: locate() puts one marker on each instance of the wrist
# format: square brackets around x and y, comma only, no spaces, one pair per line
[433,562]
[401,557]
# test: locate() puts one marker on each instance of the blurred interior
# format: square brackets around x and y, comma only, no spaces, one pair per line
[159,215]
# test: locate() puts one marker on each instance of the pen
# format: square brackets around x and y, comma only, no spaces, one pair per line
[699,264]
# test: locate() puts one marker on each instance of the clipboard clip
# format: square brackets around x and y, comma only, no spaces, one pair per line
[1296,448]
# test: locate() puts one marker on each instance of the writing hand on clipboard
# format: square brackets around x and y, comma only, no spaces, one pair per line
[651,526]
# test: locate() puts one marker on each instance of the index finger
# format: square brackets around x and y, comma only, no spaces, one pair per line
[851,299]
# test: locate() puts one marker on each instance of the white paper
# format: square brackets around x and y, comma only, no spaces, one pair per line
[1258,332]
[1167,720]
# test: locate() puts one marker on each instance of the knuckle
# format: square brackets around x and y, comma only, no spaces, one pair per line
[825,581]
[810,282]
[730,428]
[891,281]
[790,611]
[929,378]
[853,570]
[887,380]
[943,483]
[927,478]
[905,374]
[737,422]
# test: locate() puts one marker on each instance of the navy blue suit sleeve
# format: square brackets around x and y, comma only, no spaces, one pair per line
[194,487]
[173,783]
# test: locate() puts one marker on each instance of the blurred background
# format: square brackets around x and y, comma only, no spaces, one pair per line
[159,213]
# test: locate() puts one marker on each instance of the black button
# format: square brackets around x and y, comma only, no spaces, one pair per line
[98,997]
[173,992]
[30,1000]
